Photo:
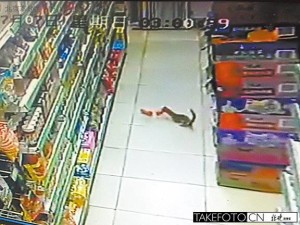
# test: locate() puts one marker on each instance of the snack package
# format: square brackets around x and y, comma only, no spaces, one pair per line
[85,156]
[78,192]
[82,170]
[89,140]
[9,144]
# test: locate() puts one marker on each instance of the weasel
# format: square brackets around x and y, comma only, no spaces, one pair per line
[182,119]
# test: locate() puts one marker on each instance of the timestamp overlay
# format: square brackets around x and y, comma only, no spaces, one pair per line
[179,23]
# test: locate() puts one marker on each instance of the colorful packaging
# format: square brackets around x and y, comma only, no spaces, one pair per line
[89,140]
[9,143]
[254,138]
[265,47]
[118,45]
[78,192]
[250,122]
[254,154]
[284,50]
[247,176]
[264,106]
[82,170]
[257,35]
[85,156]
[255,78]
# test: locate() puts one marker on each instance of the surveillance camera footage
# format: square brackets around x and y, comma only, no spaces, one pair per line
[149,112]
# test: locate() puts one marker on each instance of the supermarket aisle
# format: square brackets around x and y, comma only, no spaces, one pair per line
[154,172]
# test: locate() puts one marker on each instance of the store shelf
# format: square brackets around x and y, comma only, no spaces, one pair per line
[81,213]
[6,220]
[34,86]
[289,192]
[62,131]
[64,73]
[50,120]
[33,47]
[60,126]
[77,111]
[78,85]
[51,203]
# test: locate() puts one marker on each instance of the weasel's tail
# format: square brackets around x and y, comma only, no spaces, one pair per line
[193,117]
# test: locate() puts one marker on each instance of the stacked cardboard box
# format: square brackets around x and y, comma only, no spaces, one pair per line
[256,71]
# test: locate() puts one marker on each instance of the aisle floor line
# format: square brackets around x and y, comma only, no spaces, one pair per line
[204,146]
[132,118]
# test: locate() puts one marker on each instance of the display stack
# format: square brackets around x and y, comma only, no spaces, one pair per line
[290,179]
[256,71]
[58,79]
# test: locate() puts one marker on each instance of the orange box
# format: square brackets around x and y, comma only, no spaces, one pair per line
[261,35]
[254,122]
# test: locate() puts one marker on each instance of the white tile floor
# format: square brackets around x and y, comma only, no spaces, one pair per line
[151,171]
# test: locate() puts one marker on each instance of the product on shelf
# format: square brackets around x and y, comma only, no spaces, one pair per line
[263,106]
[54,103]
[255,69]
[9,144]
[248,176]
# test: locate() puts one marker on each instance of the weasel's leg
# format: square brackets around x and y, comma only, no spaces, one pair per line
[183,125]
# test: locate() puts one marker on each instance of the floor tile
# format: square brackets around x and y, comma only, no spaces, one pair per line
[117,135]
[161,198]
[132,218]
[101,215]
[220,199]
[180,168]
[210,171]
[105,191]
[121,113]
[168,81]
[172,138]
[126,93]
[181,103]
[111,161]
[130,74]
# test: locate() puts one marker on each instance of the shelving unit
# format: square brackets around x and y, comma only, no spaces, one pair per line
[79,68]
[119,25]
[255,77]
[290,178]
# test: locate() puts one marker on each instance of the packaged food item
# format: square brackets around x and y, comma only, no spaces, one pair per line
[68,218]
[78,192]
[85,156]
[9,144]
[82,170]
[32,207]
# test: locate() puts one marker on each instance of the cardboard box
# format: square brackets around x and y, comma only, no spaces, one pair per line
[254,155]
[257,178]
[264,106]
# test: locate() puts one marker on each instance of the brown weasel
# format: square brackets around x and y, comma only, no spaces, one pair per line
[184,120]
